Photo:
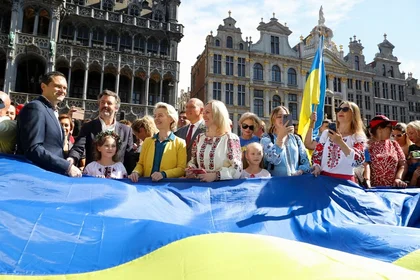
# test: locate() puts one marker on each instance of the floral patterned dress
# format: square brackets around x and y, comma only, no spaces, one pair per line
[221,154]
[332,159]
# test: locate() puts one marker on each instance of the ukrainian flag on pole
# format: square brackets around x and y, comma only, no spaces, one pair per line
[314,93]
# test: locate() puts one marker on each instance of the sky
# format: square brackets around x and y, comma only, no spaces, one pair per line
[367,19]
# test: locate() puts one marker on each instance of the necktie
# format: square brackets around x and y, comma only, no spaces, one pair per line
[189,135]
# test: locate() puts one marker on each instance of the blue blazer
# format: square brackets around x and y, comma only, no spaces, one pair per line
[40,136]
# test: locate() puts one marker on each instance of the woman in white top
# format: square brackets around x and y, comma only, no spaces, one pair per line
[216,154]
[338,152]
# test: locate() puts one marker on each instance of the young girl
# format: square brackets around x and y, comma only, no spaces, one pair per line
[253,162]
[107,145]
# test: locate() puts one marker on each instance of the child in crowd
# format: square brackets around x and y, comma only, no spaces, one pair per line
[253,162]
[107,145]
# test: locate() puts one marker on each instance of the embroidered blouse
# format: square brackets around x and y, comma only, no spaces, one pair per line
[115,171]
[332,159]
[221,154]
[286,160]
[262,174]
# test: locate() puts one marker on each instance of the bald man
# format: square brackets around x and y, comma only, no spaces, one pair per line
[8,128]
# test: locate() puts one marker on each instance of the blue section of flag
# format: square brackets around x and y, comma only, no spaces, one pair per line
[52,224]
[319,60]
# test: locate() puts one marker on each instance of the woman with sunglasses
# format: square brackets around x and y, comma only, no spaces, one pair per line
[413,133]
[385,160]
[339,152]
[249,123]
[284,152]
[399,135]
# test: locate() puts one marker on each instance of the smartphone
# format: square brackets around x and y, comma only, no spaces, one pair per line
[332,126]
[78,113]
[289,118]
[198,171]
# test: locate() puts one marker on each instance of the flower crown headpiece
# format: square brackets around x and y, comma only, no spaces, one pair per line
[110,133]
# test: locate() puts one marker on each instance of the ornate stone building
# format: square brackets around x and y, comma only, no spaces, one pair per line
[259,76]
[127,46]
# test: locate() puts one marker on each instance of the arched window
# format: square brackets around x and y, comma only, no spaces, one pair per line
[229,42]
[241,46]
[139,43]
[258,72]
[134,10]
[152,45]
[217,42]
[276,101]
[356,63]
[126,42]
[383,70]
[291,77]
[391,71]
[98,38]
[28,20]
[43,23]
[83,35]
[112,40]
[275,74]
[67,33]
[108,5]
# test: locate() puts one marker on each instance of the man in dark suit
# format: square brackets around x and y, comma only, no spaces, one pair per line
[194,110]
[40,136]
[109,103]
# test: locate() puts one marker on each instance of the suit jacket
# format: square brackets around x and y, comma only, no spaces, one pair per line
[40,136]
[174,158]
[182,133]
[85,141]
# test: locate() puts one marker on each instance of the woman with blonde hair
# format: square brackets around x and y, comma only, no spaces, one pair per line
[143,128]
[249,123]
[339,151]
[413,133]
[399,134]
[284,152]
[164,155]
[215,154]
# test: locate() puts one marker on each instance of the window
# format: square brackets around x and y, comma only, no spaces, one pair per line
[386,110]
[359,101]
[28,20]
[401,93]
[229,94]
[217,64]
[366,86]
[383,70]
[413,91]
[394,113]
[98,38]
[291,77]
[126,42]
[350,83]
[108,5]
[275,74]
[134,11]
[43,22]
[229,42]
[356,63]
[258,103]
[385,90]
[164,47]
[376,89]
[403,115]
[391,71]
[217,90]
[337,84]
[293,106]
[276,101]
[241,46]
[229,65]
[368,118]
[139,43]
[83,36]
[412,118]
[411,106]
[417,107]
[241,67]
[327,83]
[378,109]
[152,45]
[358,85]
[258,72]
[67,33]
[293,97]
[393,92]
[275,46]
[350,97]
[217,42]
[367,102]
[241,95]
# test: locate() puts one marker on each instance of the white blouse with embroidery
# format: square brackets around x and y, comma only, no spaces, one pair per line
[221,154]
[115,171]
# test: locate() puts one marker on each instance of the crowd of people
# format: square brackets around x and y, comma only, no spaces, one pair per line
[198,143]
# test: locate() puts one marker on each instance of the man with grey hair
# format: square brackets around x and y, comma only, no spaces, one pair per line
[109,103]
[194,111]
[8,127]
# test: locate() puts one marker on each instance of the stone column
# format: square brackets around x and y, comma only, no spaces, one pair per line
[235,66]
[85,82]
[303,78]
[69,78]
[284,73]
[117,82]
[223,64]
[344,87]
[235,123]
[251,98]
[101,87]
[35,31]
[223,95]
[266,72]
[161,89]
[130,94]
[209,92]
[247,96]
[266,103]
[235,93]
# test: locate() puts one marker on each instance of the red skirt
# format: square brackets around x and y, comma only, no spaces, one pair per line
[341,176]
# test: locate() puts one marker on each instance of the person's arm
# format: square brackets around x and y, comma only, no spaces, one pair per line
[32,124]
[303,159]
[309,142]
[181,160]
[234,155]
[78,149]
[366,175]
[272,152]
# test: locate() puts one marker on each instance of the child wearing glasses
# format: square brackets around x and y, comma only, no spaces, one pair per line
[249,123]
[340,150]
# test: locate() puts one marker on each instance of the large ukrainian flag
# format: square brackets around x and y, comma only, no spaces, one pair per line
[314,93]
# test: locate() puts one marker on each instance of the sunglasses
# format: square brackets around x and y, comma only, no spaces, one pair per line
[245,126]
[397,135]
[344,109]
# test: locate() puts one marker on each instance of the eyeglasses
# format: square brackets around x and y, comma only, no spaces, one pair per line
[397,135]
[245,126]
[344,109]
